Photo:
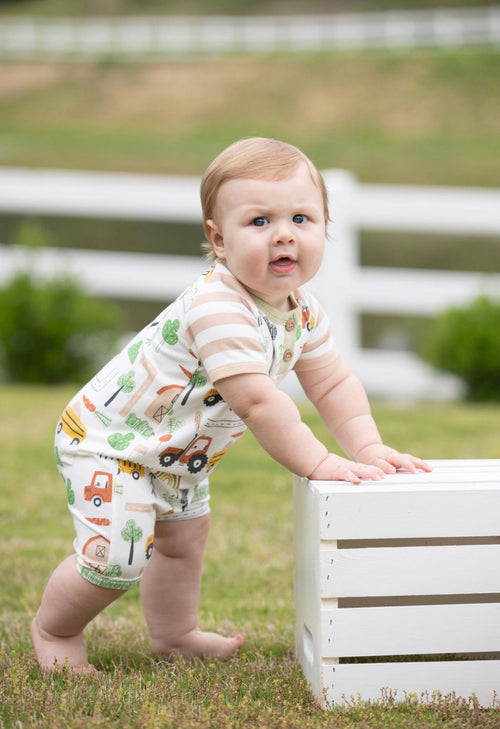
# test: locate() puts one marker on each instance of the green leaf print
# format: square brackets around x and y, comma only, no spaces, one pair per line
[133,351]
[169,331]
[70,493]
[119,442]
[131,532]
[173,424]
[114,570]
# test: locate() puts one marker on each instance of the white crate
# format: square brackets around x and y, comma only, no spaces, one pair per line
[408,566]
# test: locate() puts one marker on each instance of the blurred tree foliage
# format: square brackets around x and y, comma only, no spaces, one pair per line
[466,342]
[51,331]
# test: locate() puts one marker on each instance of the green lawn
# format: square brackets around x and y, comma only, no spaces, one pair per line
[247,586]
[411,116]
[209,7]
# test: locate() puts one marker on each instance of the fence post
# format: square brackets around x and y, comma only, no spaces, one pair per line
[333,284]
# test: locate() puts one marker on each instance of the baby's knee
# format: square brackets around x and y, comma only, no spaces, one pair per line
[183,537]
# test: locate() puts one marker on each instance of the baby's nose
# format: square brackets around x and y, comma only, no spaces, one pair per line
[283,234]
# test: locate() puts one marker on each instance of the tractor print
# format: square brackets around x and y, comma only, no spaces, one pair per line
[194,455]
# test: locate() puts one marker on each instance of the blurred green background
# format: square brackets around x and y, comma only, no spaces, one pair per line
[230,7]
[418,116]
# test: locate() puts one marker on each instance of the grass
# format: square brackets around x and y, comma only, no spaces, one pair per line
[420,116]
[209,7]
[247,586]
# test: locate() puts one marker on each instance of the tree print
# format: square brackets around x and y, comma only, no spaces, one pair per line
[120,442]
[125,383]
[197,380]
[169,331]
[131,532]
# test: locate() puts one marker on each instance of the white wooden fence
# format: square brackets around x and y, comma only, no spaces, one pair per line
[345,288]
[22,37]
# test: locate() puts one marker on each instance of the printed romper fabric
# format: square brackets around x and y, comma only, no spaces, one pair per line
[138,442]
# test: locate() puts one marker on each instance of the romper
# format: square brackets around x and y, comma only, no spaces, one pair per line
[138,442]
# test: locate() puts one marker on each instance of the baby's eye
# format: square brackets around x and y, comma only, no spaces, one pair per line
[299,218]
[260,222]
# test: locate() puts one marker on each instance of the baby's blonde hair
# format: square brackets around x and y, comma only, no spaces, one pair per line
[256,158]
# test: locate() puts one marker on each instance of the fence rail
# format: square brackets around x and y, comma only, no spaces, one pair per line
[138,36]
[345,288]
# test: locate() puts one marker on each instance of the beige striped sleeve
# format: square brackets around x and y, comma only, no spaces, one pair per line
[224,334]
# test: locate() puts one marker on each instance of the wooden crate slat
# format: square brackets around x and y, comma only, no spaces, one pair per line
[390,571]
[410,630]
[411,513]
[463,678]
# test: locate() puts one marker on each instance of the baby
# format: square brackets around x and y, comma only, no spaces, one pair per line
[135,446]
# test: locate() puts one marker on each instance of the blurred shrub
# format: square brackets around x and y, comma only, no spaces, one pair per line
[52,332]
[466,342]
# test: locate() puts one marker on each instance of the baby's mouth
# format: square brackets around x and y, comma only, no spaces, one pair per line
[283,264]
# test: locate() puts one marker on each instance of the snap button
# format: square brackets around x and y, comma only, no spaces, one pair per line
[288,354]
[290,325]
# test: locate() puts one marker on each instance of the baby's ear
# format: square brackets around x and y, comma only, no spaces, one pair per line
[214,235]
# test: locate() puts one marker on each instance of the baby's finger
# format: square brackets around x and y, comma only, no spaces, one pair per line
[402,460]
[408,462]
[422,465]
[385,466]
[374,473]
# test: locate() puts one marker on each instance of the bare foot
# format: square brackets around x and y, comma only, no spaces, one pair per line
[53,653]
[198,644]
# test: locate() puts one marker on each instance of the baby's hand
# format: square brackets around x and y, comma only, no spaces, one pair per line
[336,468]
[389,460]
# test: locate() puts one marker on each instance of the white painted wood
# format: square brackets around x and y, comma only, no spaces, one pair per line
[449,502]
[409,630]
[465,572]
[426,293]
[106,273]
[120,195]
[367,680]
[436,570]
[142,37]
[437,513]
[306,584]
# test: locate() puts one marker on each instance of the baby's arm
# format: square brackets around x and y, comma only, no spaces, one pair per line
[276,423]
[342,403]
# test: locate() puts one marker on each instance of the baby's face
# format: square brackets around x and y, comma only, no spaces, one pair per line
[270,233]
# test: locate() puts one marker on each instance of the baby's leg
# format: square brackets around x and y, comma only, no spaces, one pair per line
[170,592]
[69,603]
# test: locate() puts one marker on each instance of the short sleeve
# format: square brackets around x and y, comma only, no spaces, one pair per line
[223,331]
